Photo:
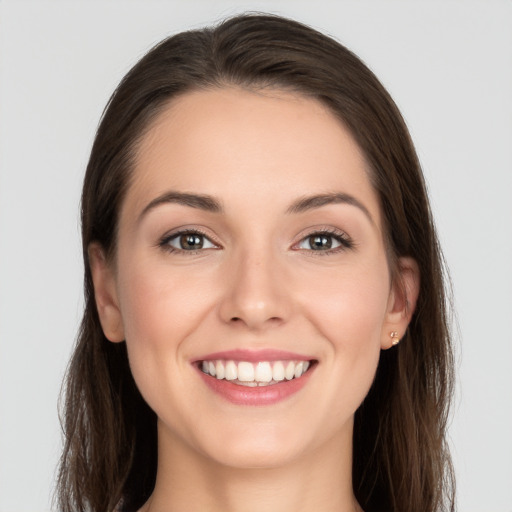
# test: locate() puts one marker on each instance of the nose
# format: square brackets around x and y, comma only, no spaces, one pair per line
[255,293]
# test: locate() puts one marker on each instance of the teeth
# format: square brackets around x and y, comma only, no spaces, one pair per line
[231,370]
[250,374]
[220,371]
[263,372]
[278,371]
[290,371]
[245,372]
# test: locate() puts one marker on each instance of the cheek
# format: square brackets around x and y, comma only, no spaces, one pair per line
[156,299]
[160,309]
[349,309]
[349,306]
[349,314]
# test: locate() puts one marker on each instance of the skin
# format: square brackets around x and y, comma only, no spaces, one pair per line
[256,284]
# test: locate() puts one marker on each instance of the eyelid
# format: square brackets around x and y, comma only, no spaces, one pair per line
[163,242]
[345,240]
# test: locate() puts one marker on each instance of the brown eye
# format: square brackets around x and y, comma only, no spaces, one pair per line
[189,241]
[320,242]
[328,242]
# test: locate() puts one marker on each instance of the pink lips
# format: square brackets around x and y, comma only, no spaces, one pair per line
[260,395]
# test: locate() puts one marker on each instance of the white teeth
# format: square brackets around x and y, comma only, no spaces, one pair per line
[245,372]
[220,372]
[231,371]
[262,373]
[250,384]
[278,371]
[290,371]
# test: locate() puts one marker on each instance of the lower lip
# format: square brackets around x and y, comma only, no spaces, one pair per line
[259,395]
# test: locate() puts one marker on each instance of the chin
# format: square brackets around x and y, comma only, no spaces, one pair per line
[266,444]
[267,454]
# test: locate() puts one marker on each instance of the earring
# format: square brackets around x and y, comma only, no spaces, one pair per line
[395,340]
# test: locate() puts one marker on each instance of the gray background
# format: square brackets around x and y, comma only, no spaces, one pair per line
[448,64]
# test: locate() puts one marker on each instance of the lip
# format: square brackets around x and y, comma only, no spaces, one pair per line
[259,395]
[253,356]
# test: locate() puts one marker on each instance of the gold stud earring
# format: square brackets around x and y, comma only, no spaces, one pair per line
[395,340]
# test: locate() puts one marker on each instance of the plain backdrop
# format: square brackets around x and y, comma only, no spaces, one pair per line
[448,64]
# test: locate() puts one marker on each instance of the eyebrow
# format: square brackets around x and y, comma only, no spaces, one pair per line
[210,204]
[199,201]
[317,201]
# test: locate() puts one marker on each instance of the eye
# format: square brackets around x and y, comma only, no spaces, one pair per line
[324,241]
[187,241]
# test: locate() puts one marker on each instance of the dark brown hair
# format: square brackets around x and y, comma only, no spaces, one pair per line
[401,461]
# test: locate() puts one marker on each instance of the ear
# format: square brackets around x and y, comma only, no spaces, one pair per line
[105,294]
[402,301]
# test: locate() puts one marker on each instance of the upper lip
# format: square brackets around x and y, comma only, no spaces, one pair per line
[255,355]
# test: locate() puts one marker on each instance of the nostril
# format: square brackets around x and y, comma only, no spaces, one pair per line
[273,320]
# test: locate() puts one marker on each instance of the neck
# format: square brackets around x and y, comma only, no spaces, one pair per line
[187,480]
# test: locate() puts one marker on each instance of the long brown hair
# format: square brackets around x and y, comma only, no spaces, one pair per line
[401,461]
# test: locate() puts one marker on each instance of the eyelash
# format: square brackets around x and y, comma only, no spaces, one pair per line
[342,238]
[164,242]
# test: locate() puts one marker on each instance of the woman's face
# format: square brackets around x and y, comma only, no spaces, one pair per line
[250,246]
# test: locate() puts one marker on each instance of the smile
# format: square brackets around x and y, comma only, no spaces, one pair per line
[255,378]
[252,374]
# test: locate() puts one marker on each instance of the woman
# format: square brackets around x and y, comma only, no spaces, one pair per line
[265,323]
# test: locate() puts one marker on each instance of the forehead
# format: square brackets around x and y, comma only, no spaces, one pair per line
[249,147]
